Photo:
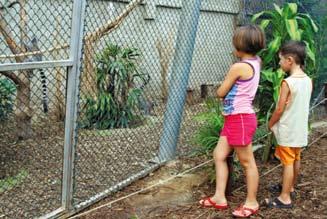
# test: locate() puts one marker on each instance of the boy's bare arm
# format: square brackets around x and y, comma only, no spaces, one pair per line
[283,98]
[231,77]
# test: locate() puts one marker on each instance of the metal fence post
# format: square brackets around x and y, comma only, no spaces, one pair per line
[72,101]
[181,68]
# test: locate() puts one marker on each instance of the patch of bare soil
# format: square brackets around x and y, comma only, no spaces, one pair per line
[309,203]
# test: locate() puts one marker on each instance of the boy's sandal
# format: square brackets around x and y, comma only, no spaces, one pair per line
[277,188]
[245,212]
[276,203]
[212,204]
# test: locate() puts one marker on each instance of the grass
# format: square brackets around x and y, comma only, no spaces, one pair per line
[10,182]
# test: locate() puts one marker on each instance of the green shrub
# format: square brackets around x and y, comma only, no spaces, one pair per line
[117,98]
[7,94]
[208,135]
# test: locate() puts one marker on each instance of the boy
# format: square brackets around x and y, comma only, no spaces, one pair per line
[289,121]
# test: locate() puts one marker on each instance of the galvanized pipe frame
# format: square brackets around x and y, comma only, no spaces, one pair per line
[35,65]
[76,46]
[182,66]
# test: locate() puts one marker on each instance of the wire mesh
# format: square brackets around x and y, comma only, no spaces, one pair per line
[31,166]
[32,109]
[105,157]
[128,67]
[40,30]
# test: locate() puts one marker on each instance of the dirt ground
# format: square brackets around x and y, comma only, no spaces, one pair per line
[102,160]
[310,201]
[40,161]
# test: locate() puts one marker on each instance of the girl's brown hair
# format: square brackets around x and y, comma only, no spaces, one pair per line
[249,39]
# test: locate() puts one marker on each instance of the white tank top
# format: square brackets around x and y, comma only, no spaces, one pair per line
[292,128]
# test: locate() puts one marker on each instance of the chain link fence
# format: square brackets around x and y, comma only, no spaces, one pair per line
[134,80]
[32,105]
[106,158]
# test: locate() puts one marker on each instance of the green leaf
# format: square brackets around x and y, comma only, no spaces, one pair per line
[292,29]
[310,20]
[289,10]
[256,16]
[278,77]
[275,78]
[310,53]
[278,9]
[267,74]
[293,8]
[272,49]
[264,23]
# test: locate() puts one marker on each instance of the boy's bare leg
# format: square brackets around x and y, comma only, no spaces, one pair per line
[220,155]
[246,157]
[296,167]
[288,178]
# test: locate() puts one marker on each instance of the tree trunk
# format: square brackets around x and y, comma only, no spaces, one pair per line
[23,109]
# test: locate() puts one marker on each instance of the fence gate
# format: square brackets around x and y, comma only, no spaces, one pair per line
[40,52]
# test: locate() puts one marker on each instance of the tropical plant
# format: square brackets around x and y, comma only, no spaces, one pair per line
[7,94]
[287,24]
[282,25]
[117,100]
[207,136]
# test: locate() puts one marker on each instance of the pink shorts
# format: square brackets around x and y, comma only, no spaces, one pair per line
[239,129]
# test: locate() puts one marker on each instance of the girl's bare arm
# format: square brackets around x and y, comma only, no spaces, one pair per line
[233,74]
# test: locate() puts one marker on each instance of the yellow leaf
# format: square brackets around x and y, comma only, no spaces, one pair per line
[292,29]
[264,23]
[293,7]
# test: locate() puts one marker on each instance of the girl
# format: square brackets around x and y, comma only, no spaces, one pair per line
[238,91]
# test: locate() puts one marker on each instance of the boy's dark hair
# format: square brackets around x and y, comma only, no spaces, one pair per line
[296,49]
[249,39]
